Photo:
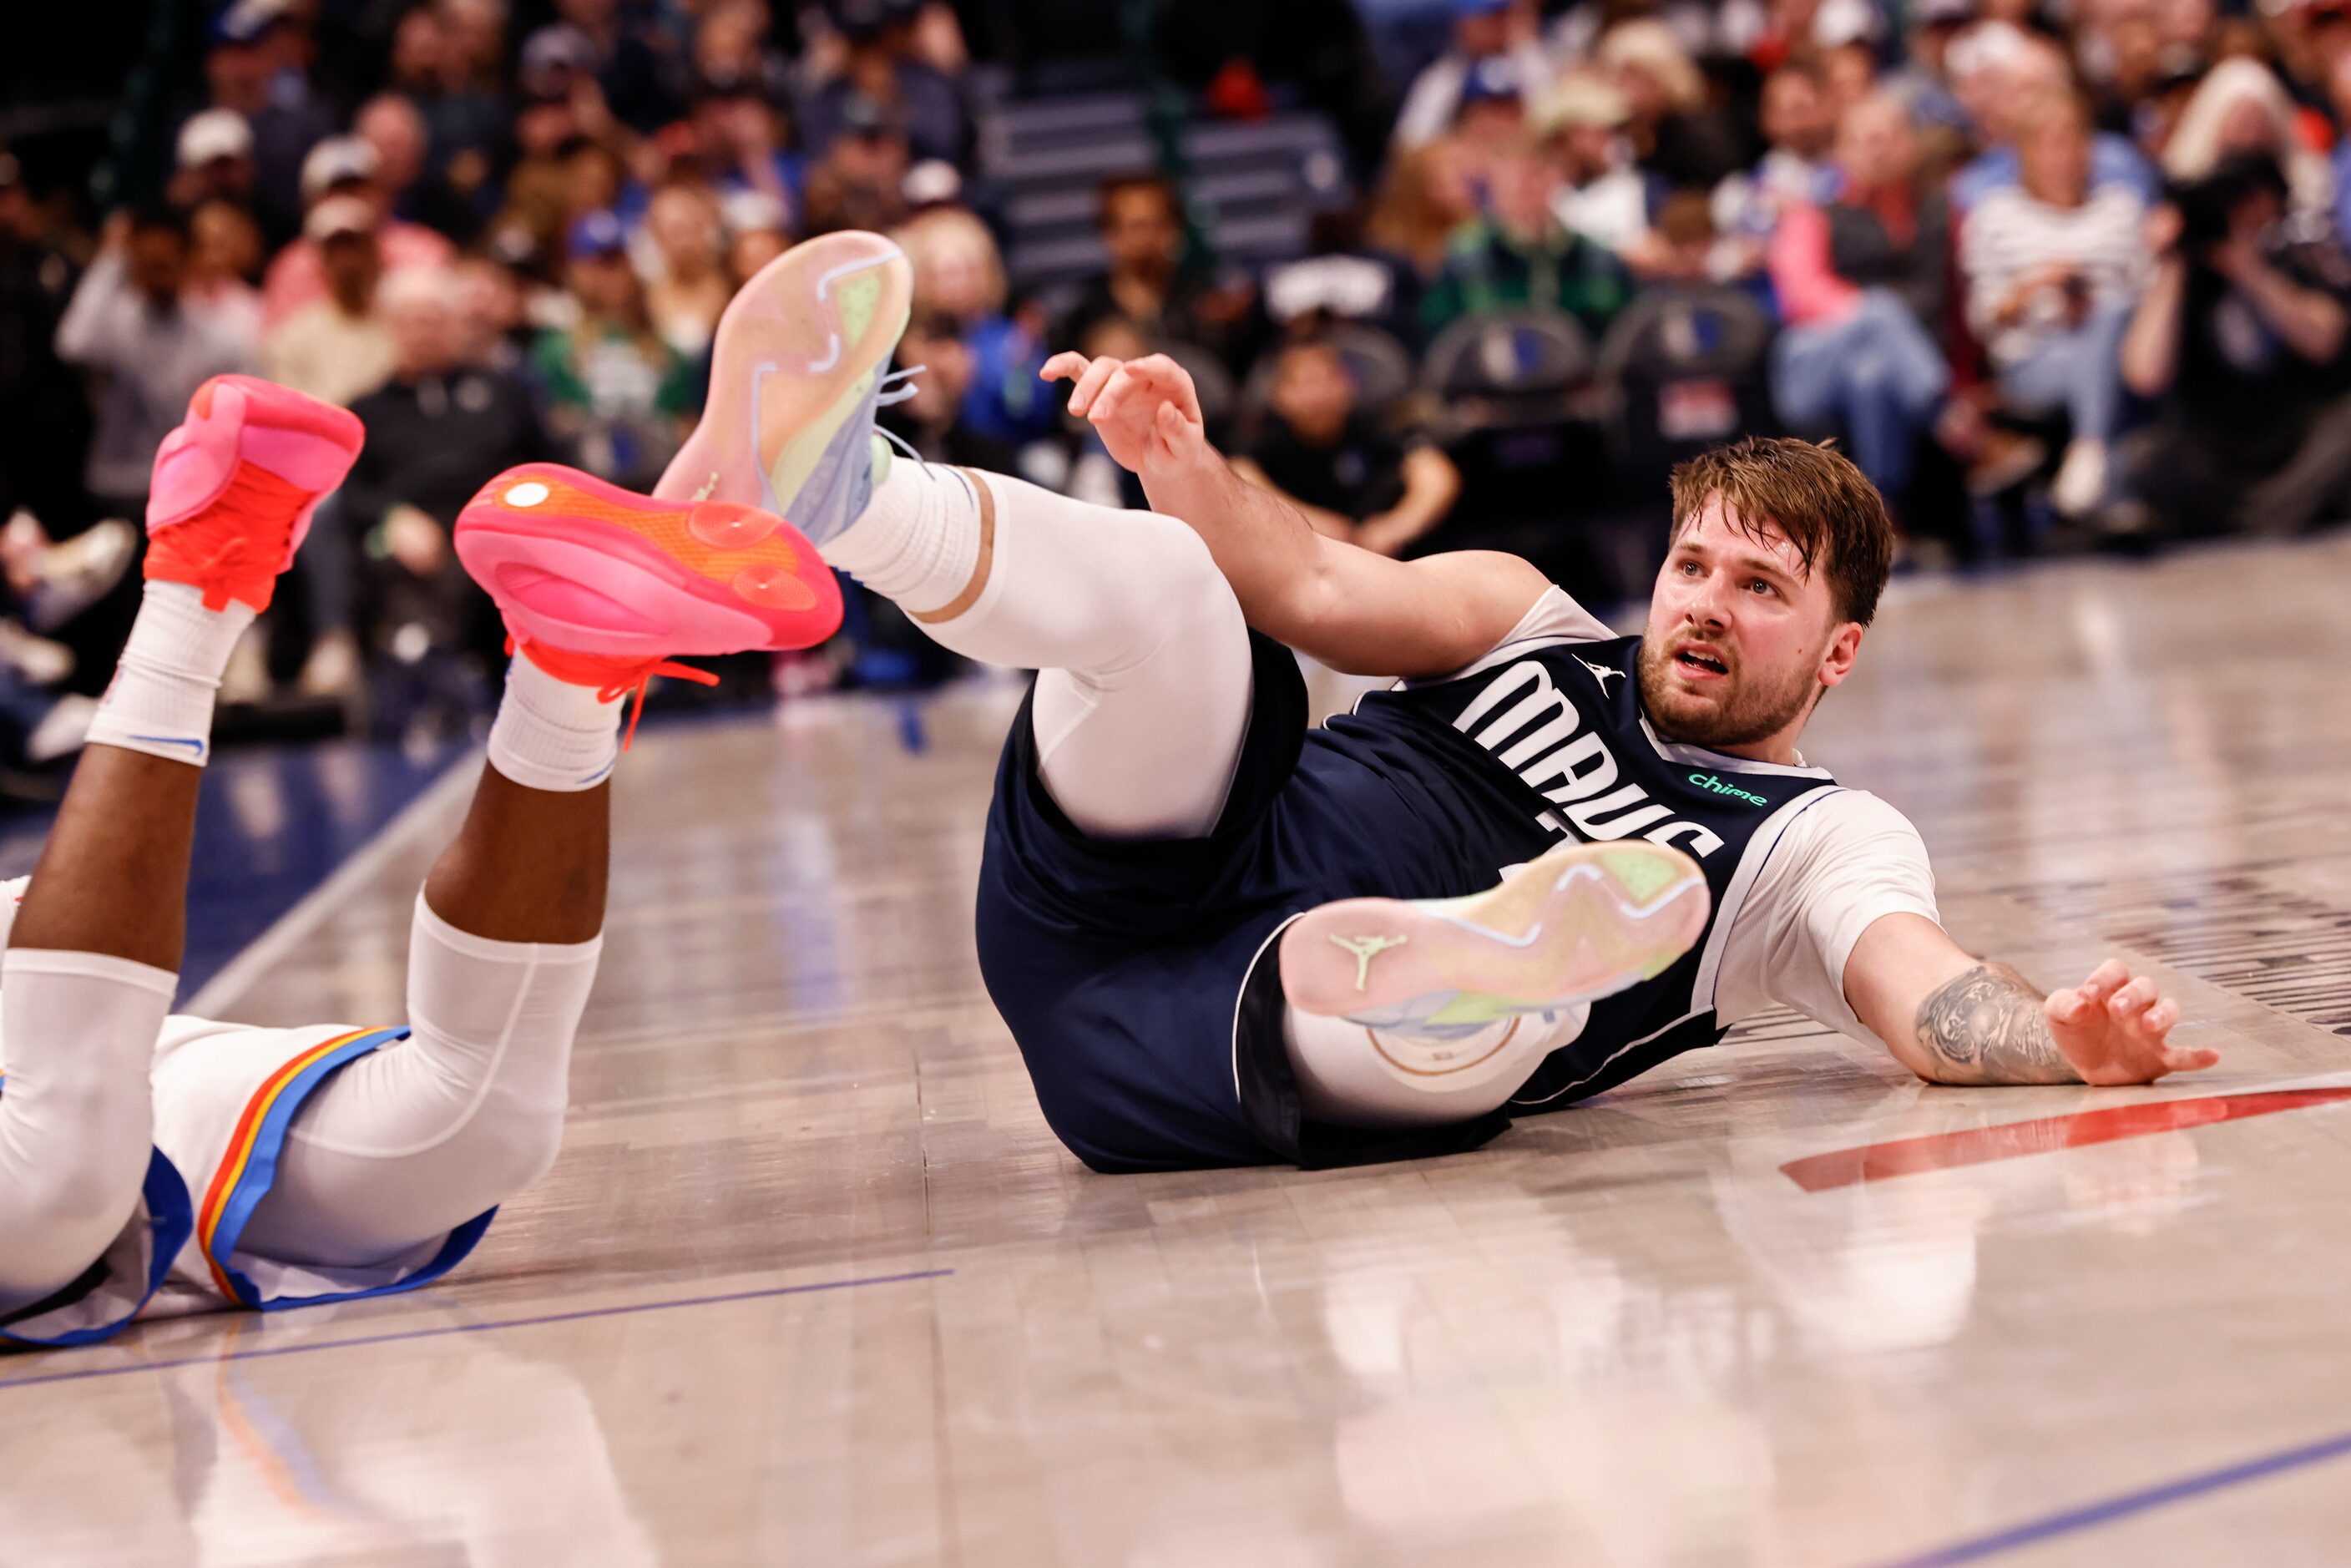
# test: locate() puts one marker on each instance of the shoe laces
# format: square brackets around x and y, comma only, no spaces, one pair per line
[638,678]
[897,386]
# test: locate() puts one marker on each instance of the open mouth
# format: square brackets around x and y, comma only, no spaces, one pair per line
[1705,666]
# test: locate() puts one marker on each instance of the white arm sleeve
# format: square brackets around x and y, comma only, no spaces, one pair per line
[1841,866]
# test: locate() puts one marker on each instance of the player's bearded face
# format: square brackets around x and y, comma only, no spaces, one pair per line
[1745,705]
[1738,632]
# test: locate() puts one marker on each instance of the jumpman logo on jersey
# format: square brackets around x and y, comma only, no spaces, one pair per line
[1366,949]
[1601,673]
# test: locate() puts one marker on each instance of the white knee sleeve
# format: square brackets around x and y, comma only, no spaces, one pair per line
[406,1145]
[77,1035]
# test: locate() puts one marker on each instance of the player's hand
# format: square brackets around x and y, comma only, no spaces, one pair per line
[2115,1028]
[1147,410]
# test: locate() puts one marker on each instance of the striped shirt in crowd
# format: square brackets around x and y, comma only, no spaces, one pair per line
[2011,235]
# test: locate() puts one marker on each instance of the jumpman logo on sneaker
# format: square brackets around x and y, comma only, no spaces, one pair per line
[1601,673]
[1366,949]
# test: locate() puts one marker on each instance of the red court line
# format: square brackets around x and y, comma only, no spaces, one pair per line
[2014,1140]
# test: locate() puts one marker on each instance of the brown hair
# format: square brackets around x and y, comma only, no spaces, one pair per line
[1831,515]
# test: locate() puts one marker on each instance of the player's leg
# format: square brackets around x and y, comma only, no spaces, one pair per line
[94,949]
[1144,693]
[403,1145]
[1418,1013]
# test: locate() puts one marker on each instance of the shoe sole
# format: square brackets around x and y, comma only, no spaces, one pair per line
[589,585]
[796,348]
[1583,921]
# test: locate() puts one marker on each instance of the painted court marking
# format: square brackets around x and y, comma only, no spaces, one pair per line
[2015,1140]
[2123,1505]
[444,1331]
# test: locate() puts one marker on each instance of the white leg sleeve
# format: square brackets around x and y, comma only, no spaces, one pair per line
[1144,689]
[408,1143]
[77,1112]
[1357,1077]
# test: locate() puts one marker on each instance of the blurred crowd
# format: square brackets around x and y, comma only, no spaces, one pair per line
[2059,274]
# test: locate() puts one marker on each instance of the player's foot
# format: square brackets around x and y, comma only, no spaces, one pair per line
[797,371]
[601,587]
[1582,922]
[234,486]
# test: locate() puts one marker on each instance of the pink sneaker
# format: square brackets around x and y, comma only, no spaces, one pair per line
[600,586]
[236,484]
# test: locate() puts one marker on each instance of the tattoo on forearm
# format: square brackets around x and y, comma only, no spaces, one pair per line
[1986,1026]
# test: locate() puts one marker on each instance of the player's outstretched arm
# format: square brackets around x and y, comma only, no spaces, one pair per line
[1353,610]
[1952,1017]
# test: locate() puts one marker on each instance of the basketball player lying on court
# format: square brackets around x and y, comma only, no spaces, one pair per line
[1220,939]
[217,1165]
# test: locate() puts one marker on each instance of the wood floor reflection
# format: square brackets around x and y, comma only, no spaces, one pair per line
[813,1284]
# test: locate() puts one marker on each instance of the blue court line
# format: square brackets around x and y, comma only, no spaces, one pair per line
[402,1336]
[2089,1516]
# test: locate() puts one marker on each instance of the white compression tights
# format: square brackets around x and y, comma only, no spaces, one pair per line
[398,1148]
[412,1141]
[1142,691]
[76,1118]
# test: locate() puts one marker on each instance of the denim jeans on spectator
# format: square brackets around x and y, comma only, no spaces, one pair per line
[1877,372]
[2078,369]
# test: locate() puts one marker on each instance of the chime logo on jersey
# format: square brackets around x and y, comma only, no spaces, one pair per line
[1536,731]
[1713,786]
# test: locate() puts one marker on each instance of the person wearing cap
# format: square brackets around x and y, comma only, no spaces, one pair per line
[861,180]
[131,321]
[245,72]
[1482,30]
[883,65]
[215,160]
[739,134]
[615,392]
[1601,195]
[1923,80]
[1519,255]
[758,230]
[394,129]
[337,346]
[344,166]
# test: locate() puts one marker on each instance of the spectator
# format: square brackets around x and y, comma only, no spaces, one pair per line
[1519,255]
[1600,195]
[245,72]
[1799,126]
[129,321]
[1321,452]
[2052,269]
[617,394]
[741,138]
[464,116]
[1923,82]
[338,347]
[1426,195]
[935,421]
[2241,335]
[859,183]
[693,286]
[1482,30]
[731,46]
[215,161]
[758,231]
[2009,77]
[1493,106]
[493,315]
[608,43]
[223,257]
[959,277]
[1673,135]
[394,131]
[434,429]
[344,166]
[1863,284]
[881,65]
[1142,226]
[2240,108]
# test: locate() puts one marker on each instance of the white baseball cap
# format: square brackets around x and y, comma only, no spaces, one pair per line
[336,159]
[215,133]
